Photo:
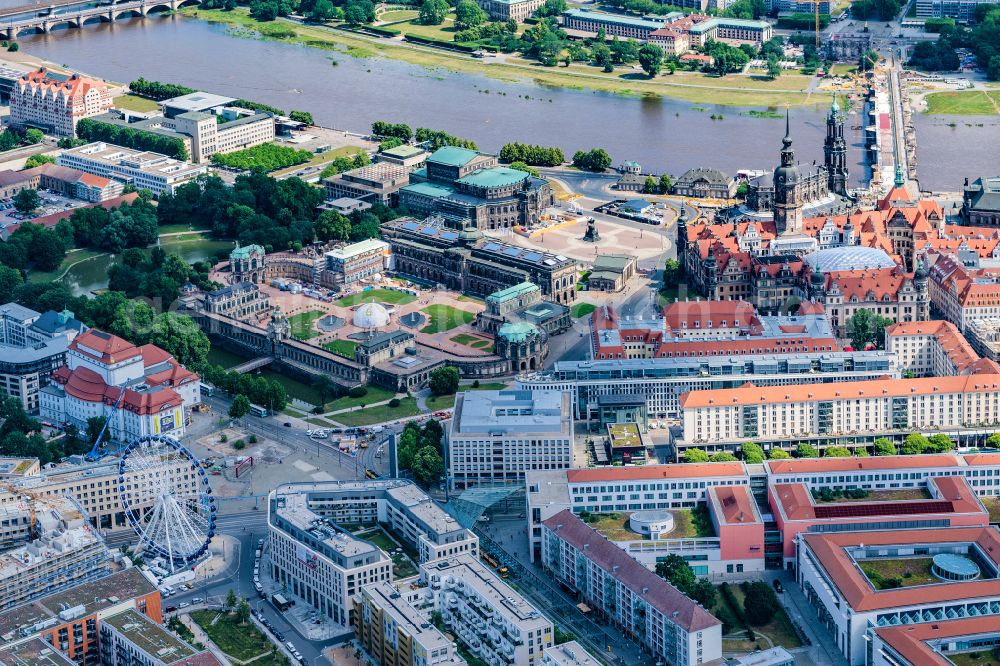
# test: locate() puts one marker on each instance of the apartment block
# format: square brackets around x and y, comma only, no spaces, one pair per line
[145,170]
[357,261]
[129,638]
[490,618]
[931,348]
[55,102]
[637,601]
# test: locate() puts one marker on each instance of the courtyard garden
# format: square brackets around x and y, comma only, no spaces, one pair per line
[387,296]
[889,574]
[343,348]
[444,318]
[240,640]
[303,324]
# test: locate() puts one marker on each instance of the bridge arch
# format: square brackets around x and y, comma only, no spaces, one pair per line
[96,18]
[128,13]
[158,8]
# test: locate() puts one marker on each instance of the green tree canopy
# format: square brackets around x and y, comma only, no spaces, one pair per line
[806,451]
[778,454]
[837,452]
[240,407]
[883,447]
[444,381]
[695,456]
[753,454]
[914,443]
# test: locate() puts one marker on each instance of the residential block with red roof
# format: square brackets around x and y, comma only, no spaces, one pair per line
[56,102]
[141,390]
[933,348]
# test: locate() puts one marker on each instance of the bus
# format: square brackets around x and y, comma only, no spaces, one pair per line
[280,602]
[371,474]
[492,561]
[206,389]
[256,410]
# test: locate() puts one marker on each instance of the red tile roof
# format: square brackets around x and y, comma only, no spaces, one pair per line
[52,220]
[912,641]
[820,465]
[654,590]
[733,505]
[875,388]
[947,336]
[104,347]
[653,472]
[829,550]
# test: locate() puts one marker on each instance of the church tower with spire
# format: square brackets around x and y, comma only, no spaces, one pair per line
[787,188]
[835,151]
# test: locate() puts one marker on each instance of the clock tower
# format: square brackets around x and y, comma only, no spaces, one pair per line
[787,189]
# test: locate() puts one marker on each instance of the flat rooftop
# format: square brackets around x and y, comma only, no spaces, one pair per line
[624,435]
[500,596]
[408,618]
[151,638]
[512,412]
[35,652]
[655,472]
[733,505]
[198,101]
[94,596]
[568,654]
[824,465]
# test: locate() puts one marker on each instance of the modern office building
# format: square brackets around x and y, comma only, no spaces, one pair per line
[496,437]
[32,347]
[634,599]
[130,638]
[326,566]
[224,132]
[375,183]
[358,261]
[835,571]
[731,31]
[570,653]
[950,502]
[623,489]
[850,414]
[934,644]
[143,169]
[506,10]
[140,390]
[615,25]
[395,633]
[492,620]
[55,102]
[663,381]
[33,652]
[963,11]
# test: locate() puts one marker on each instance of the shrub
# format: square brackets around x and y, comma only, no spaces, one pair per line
[358,392]
[239,444]
[394,403]
[223,438]
[253,439]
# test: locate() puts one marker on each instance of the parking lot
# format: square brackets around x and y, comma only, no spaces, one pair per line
[51,203]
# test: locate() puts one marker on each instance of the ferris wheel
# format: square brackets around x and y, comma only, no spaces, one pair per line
[167,499]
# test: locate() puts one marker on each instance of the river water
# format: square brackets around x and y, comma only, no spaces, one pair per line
[662,134]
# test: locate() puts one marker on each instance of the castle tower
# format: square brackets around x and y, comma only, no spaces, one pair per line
[710,268]
[682,239]
[787,189]
[817,285]
[920,282]
[835,151]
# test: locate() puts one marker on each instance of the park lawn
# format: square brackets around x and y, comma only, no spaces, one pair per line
[439,402]
[323,423]
[444,318]
[875,496]
[380,414]
[965,103]
[581,310]
[614,526]
[321,158]
[375,394]
[343,348]
[842,69]
[135,103]
[779,629]
[381,539]
[397,15]
[378,296]
[917,568]
[411,26]
[240,642]
[72,257]
[975,658]
[302,324]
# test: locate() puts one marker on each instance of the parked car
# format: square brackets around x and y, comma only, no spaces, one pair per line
[777,586]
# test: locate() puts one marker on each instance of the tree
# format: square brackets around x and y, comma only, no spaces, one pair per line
[993,69]
[914,444]
[242,611]
[33,136]
[704,593]
[723,456]
[38,160]
[806,451]
[324,387]
[993,441]
[468,14]
[427,467]
[10,279]
[13,47]
[672,273]
[883,447]
[240,407]
[837,452]
[95,424]
[433,12]
[595,159]
[321,12]
[773,67]
[27,201]
[867,61]
[231,601]
[760,603]
[867,329]
[651,59]
[666,184]
[695,456]
[521,166]
[778,454]
[676,571]
[444,381]
[359,11]
[753,454]
[649,187]
[601,55]
[940,443]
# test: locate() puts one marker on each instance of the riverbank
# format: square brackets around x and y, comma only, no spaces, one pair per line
[733,90]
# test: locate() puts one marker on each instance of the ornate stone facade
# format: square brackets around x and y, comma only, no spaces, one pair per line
[524,345]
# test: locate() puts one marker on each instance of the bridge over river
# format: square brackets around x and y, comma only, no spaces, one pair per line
[75,13]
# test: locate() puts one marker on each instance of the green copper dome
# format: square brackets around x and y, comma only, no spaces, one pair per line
[520,331]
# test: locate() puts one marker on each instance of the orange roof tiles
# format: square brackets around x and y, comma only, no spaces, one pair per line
[876,388]
[654,472]
[948,337]
[820,465]
[830,550]
[911,641]
[104,347]
[733,505]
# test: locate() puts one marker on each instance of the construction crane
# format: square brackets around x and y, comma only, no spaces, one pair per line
[95,452]
[816,16]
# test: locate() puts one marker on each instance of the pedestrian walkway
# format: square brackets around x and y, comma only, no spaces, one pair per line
[823,651]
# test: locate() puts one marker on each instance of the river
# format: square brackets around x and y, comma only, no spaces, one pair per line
[662,134]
